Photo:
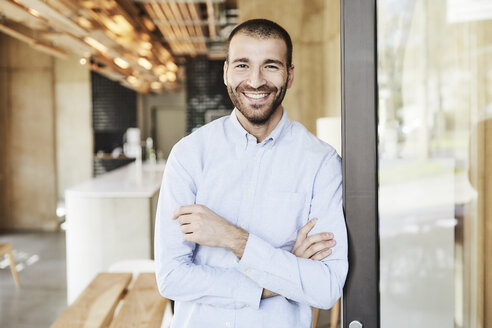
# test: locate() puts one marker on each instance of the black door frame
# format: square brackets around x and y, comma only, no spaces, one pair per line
[360,161]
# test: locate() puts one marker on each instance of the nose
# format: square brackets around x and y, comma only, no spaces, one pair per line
[256,79]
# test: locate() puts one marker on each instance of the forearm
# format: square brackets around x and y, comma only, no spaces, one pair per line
[221,287]
[236,241]
[317,283]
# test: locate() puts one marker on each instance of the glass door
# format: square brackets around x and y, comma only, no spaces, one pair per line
[435,88]
[431,243]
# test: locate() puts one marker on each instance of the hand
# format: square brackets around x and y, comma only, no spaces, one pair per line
[203,226]
[315,247]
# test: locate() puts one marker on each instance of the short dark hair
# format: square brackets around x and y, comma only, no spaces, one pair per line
[263,28]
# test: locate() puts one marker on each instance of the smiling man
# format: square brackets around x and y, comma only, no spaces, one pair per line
[250,202]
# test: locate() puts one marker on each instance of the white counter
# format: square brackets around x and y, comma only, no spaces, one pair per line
[126,181]
[110,218]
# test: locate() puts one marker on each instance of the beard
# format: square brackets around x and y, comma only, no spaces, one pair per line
[254,113]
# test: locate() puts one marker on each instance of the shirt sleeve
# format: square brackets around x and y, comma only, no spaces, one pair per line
[317,283]
[178,278]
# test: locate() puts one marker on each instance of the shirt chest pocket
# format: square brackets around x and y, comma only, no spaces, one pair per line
[281,214]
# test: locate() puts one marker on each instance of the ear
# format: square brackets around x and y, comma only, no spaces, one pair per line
[225,72]
[291,76]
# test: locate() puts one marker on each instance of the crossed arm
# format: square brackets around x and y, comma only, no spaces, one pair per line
[202,226]
[262,268]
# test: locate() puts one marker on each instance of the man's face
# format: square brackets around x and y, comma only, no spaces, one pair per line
[256,76]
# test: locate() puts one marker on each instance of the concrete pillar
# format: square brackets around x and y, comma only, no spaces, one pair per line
[45,133]
[28,170]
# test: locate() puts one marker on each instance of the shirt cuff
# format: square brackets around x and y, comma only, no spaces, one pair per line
[248,292]
[256,258]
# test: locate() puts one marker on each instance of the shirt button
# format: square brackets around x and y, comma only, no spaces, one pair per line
[242,225]
[250,191]
[228,324]
[255,158]
[248,270]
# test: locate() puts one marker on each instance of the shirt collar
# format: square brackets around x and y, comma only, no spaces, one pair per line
[241,134]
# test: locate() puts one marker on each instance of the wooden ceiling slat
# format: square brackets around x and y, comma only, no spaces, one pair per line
[173,14]
[157,14]
[186,15]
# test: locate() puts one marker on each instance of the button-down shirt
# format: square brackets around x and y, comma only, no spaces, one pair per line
[270,189]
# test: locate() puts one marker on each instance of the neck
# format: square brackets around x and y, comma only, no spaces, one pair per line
[263,130]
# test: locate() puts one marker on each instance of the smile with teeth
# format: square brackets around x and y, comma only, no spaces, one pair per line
[256,95]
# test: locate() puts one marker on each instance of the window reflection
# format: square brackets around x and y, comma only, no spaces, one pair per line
[435,111]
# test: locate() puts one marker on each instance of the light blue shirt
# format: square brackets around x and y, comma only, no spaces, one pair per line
[270,189]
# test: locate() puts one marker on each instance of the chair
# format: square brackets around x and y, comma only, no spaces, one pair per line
[6,248]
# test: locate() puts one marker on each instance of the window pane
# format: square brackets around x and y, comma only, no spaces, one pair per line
[435,161]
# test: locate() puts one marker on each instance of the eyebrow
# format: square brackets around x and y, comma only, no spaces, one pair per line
[274,61]
[268,61]
[241,60]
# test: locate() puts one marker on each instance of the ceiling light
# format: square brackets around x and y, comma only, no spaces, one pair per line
[146,45]
[145,36]
[132,79]
[171,76]
[83,61]
[163,78]
[159,70]
[148,24]
[144,63]
[95,44]
[156,85]
[34,12]
[144,52]
[84,22]
[121,63]
[171,66]
[122,25]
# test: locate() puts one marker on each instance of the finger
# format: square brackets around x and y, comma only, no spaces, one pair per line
[322,236]
[187,228]
[317,247]
[307,227]
[189,237]
[302,233]
[186,209]
[316,238]
[321,255]
[185,219]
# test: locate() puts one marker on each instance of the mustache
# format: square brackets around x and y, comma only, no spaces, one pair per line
[263,88]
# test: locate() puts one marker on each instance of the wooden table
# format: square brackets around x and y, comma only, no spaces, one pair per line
[142,305]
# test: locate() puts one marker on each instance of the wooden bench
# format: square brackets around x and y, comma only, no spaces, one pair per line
[142,305]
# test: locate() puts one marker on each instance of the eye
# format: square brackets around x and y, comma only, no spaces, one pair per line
[272,67]
[241,66]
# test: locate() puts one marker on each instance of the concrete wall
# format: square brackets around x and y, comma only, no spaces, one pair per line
[314,26]
[74,138]
[40,152]
[28,183]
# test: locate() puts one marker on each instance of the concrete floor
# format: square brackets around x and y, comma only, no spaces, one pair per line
[42,296]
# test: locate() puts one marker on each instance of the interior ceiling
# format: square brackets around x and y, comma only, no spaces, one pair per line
[143,44]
